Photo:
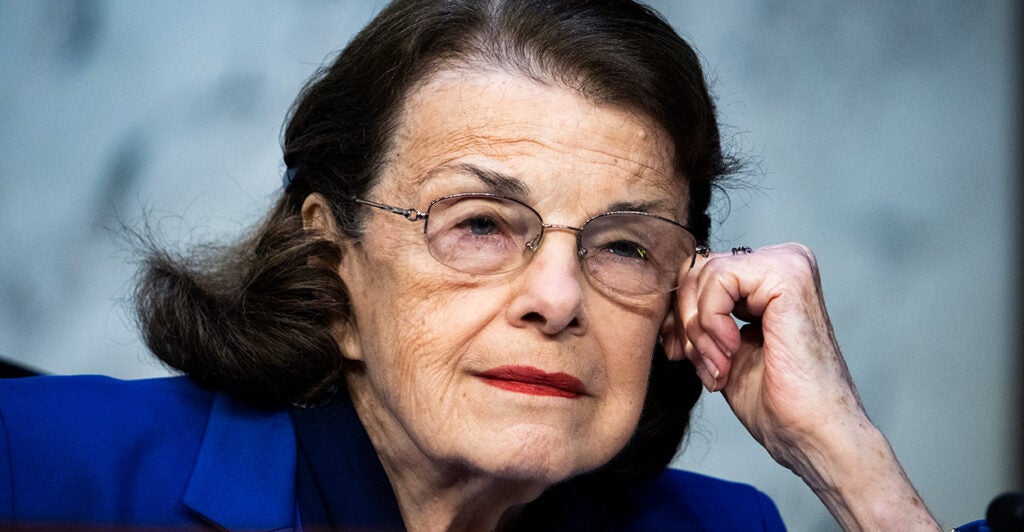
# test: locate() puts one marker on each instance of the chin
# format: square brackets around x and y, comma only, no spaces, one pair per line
[539,456]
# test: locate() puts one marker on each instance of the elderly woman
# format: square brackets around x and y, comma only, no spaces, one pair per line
[483,301]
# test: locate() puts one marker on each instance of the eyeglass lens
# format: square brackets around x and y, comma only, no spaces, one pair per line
[632,253]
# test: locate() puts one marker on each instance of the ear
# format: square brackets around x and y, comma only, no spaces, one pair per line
[348,342]
[671,335]
[316,216]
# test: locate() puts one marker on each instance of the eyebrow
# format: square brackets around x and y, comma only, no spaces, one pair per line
[506,185]
[502,184]
[653,206]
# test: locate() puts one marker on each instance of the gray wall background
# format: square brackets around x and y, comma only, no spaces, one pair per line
[885,136]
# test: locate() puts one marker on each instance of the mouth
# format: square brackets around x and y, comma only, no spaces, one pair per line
[532,381]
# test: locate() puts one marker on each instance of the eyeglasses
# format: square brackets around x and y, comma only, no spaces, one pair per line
[629,252]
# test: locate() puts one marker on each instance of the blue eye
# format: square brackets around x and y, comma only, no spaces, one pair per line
[480,225]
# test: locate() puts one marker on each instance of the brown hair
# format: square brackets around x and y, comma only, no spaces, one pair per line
[255,319]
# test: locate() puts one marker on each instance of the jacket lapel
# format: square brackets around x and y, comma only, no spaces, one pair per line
[244,475]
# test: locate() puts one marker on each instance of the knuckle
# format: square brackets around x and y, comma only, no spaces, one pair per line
[799,258]
[711,268]
[691,323]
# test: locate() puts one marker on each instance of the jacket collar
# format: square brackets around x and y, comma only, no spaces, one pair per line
[341,482]
[244,475]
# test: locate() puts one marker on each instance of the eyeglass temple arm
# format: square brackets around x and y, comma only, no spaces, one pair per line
[410,214]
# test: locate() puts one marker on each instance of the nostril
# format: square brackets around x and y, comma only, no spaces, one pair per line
[535,317]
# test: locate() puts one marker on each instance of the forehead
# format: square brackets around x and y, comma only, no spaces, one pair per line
[539,133]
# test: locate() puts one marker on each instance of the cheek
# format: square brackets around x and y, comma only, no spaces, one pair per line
[627,344]
[416,328]
[627,336]
[627,370]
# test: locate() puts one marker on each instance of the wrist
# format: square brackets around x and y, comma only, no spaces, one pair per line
[853,470]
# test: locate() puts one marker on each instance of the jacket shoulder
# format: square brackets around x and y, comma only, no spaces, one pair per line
[53,391]
[104,448]
[101,412]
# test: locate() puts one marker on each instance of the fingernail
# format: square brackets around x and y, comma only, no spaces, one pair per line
[712,369]
[721,348]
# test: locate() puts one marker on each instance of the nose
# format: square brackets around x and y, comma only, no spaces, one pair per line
[550,291]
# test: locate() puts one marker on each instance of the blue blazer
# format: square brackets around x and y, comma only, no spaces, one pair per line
[95,451]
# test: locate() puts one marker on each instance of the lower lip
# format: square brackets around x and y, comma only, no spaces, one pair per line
[531,381]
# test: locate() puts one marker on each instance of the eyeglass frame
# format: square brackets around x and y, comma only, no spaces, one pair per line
[414,215]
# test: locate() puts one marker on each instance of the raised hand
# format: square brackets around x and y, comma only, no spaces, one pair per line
[785,379]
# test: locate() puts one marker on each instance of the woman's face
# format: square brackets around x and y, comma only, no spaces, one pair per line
[533,374]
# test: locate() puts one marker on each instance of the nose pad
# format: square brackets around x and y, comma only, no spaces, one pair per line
[534,243]
[550,292]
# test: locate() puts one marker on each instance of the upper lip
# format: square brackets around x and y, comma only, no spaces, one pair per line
[531,375]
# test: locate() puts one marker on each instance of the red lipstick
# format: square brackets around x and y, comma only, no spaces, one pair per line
[532,381]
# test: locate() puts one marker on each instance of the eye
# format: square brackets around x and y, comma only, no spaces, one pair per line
[480,225]
[626,249]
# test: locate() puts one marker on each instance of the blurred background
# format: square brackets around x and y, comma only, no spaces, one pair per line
[885,135]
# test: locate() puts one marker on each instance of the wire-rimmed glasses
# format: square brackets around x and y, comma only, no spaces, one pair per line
[629,252]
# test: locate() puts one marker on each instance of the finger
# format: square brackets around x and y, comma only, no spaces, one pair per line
[685,309]
[717,364]
[743,312]
[700,347]
[743,286]
[719,294]
[718,291]
[712,364]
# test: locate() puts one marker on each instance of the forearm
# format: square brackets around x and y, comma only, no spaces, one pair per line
[858,478]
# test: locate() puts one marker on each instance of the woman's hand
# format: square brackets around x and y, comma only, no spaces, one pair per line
[782,373]
[784,377]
